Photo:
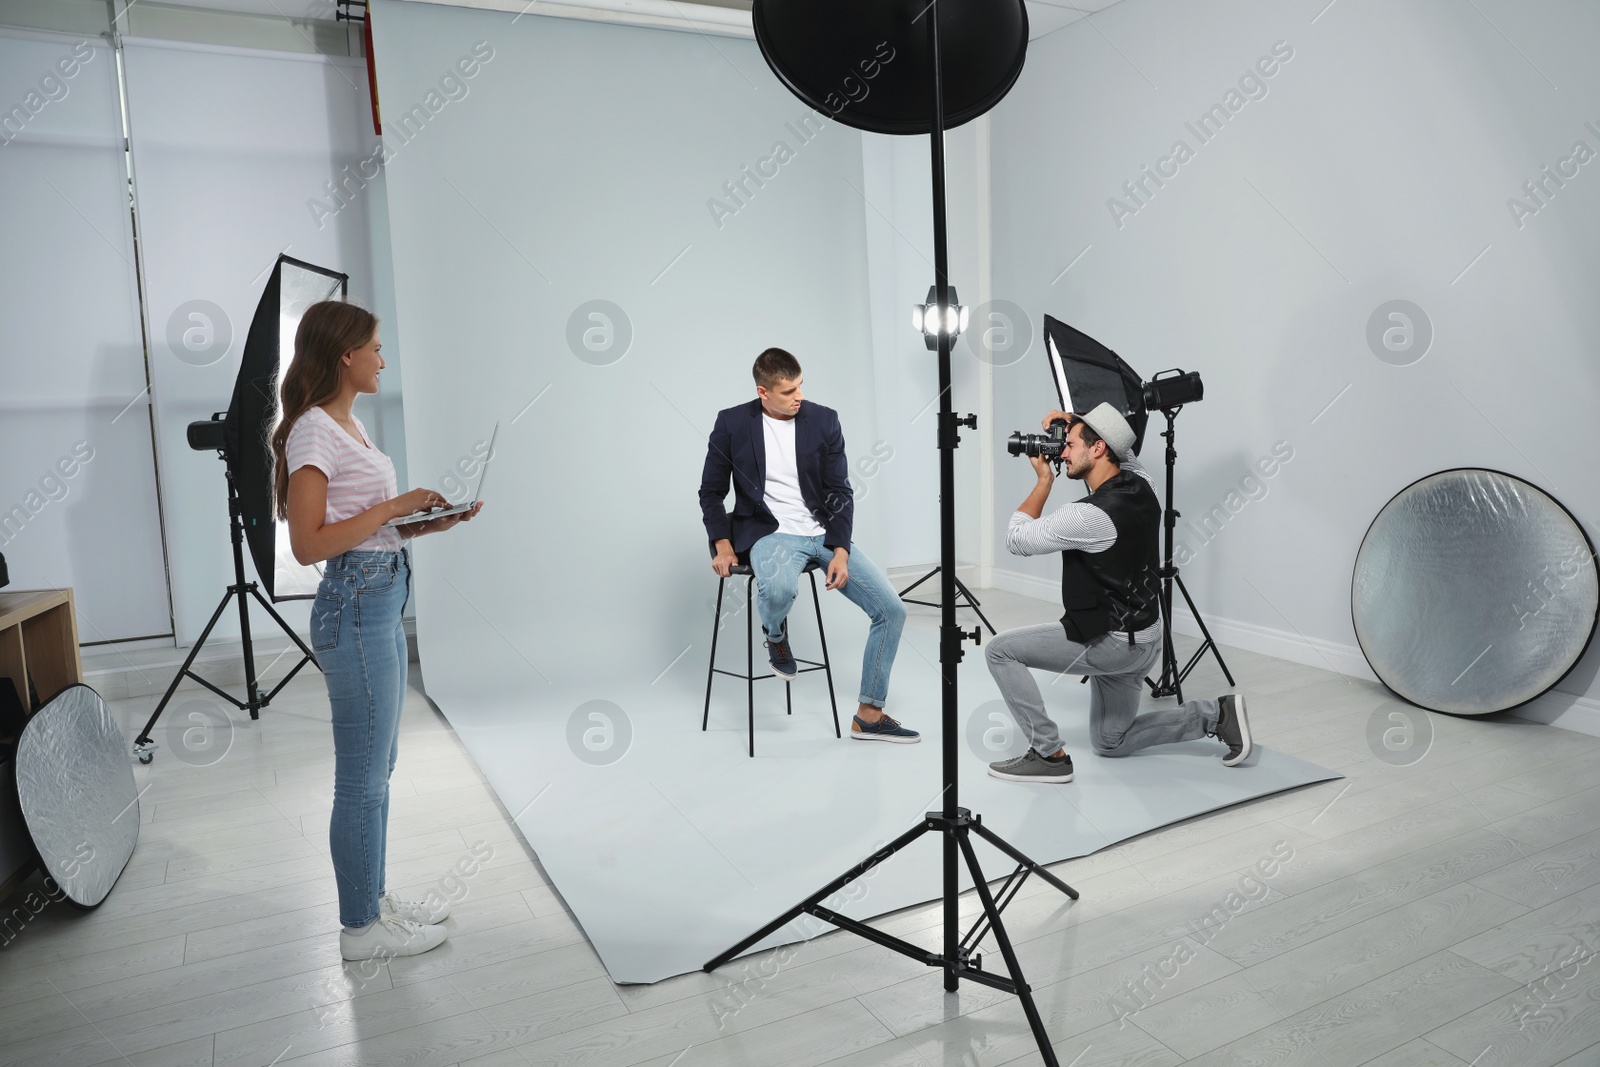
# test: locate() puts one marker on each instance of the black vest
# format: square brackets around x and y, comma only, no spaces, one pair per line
[1118,589]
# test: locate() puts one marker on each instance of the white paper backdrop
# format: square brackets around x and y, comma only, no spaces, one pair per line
[575,165]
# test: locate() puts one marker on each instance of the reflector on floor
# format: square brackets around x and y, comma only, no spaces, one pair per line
[75,783]
[1473,592]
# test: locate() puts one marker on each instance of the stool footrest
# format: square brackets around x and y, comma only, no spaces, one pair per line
[748,675]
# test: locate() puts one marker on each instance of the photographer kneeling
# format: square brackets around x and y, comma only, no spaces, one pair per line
[1110,592]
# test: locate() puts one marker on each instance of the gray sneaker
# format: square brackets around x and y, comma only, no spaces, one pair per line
[1233,729]
[1033,767]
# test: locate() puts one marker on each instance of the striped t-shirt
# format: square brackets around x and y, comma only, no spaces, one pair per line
[359,476]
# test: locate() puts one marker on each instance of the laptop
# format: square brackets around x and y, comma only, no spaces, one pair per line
[477,494]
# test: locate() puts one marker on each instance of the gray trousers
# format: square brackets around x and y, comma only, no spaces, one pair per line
[1116,675]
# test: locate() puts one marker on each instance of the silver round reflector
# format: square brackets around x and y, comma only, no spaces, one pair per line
[1474,592]
[76,787]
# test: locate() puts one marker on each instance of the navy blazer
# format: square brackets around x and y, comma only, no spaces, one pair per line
[737,450]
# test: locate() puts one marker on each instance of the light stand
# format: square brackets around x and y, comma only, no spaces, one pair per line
[1171,682]
[943,313]
[143,747]
[955,824]
[962,593]
[239,439]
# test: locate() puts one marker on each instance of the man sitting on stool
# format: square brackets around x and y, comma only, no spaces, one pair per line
[793,504]
[1111,629]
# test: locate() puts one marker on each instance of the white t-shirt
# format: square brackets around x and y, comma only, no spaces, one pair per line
[782,491]
[359,476]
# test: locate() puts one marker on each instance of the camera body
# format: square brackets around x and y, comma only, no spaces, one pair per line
[1048,445]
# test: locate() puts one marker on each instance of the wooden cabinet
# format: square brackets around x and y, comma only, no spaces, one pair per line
[39,653]
[39,643]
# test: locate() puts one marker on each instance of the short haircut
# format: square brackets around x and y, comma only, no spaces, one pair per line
[1087,435]
[773,366]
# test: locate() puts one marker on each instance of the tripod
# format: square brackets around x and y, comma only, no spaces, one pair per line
[961,592]
[1171,683]
[143,747]
[955,825]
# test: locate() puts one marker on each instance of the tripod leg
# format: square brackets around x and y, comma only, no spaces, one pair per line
[820,895]
[972,602]
[1204,632]
[1005,846]
[1024,993]
[307,657]
[144,735]
[918,582]
[286,629]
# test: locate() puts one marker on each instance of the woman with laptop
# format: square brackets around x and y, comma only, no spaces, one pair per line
[338,495]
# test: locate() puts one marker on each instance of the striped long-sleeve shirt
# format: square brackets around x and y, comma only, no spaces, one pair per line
[1075,526]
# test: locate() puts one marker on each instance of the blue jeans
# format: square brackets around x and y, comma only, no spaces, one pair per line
[779,559]
[361,647]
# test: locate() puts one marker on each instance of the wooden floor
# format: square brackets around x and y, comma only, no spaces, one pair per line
[1442,912]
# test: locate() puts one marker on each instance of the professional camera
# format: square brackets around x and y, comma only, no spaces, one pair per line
[1048,445]
[1086,373]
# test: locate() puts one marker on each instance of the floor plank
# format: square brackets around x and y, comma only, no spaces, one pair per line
[1430,914]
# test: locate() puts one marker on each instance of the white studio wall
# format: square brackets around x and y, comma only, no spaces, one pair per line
[899,220]
[78,485]
[235,153]
[569,262]
[1352,155]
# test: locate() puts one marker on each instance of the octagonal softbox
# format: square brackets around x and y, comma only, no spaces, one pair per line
[1474,592]
[867,63]
[78,797]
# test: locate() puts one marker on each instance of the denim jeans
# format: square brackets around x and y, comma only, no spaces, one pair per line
[361,647]
[1116,675]
[778,560]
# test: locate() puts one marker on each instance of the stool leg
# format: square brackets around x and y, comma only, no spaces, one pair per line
[788,690]
[827,664]
[750,658]
[711,670]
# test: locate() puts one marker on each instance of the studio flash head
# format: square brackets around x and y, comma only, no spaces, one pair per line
[1176,389]
[210,435]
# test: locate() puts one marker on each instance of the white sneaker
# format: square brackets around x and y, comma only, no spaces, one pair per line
[427,912]
[387,938]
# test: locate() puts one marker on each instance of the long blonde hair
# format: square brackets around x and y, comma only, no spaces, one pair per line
[327,331]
